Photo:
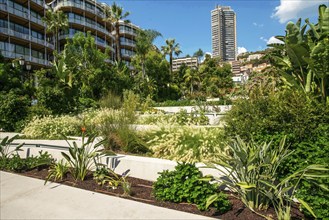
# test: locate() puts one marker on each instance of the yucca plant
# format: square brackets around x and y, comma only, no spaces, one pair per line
[251,172]
[81,159]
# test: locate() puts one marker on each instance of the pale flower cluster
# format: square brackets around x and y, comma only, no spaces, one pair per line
[188,144]
[51,127]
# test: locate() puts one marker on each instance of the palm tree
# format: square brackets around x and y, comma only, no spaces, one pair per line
[191,78]
[114,14]
[199,54]
[55,22]
[170,48]
[144,43]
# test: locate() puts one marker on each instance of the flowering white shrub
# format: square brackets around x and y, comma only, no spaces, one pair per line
[51,127]
[186,143]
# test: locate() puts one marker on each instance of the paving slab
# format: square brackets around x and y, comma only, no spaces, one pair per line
[28,198]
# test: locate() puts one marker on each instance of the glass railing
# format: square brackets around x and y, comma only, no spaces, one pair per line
[39,2]
[13,55]
[125,43]
[80,6]
[26,37]
[84,23]
[130,32]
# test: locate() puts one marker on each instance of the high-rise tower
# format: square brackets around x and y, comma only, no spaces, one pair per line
[223,33]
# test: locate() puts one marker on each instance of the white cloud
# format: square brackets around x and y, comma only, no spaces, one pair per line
[273,40]
[242,50]
[288,9]
[263,39]
[258,25]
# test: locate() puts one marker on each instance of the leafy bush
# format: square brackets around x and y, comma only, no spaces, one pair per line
[186,143]
[252,172]
[52,127]
[305,123]
[13,110]
[184,185]
[18,164]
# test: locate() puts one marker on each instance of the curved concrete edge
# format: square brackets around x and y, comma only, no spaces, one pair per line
[27,198]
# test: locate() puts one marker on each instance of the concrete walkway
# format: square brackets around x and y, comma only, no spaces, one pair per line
[27,198]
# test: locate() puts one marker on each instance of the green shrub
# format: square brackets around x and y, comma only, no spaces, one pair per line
[18,164]
[305,123]
[184,185]
[57,171]
[252,172]
[13,110]
[111,100]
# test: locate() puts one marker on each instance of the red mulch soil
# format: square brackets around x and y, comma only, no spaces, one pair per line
[142,192]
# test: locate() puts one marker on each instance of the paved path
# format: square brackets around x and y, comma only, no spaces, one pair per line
[27,198]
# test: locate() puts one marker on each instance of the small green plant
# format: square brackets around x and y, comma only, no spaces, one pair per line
[107,177]
[57,171]
[43,160]
[184,184]
[5,144]
[16,164]
[81,159]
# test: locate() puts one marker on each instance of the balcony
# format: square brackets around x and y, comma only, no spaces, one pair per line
[128,32]
[39,2]
[130,44]
[13,55]
[84,23]
[27,37]
[80,6]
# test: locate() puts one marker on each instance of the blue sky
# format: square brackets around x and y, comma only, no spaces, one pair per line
[188,21]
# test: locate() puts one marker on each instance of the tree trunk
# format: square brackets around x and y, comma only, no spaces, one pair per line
[117,42]
[170,61]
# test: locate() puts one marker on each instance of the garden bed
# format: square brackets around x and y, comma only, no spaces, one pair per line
[142,192]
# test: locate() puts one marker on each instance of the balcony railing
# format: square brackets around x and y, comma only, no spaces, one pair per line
[10,32]
[130,32]
[93,26]
[64,36]
[39,2]
[80,6]
[125,43]
[13,55]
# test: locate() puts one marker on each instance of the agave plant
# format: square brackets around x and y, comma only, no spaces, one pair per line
[81,159]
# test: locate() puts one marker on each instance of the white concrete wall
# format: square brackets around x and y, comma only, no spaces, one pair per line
[189,109]
[135,166]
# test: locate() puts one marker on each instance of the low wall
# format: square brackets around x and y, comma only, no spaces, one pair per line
[146,168]
[218,109]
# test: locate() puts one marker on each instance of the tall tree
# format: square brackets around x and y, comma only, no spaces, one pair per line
[144,43]
[170,48]
[114,14]
[55,22]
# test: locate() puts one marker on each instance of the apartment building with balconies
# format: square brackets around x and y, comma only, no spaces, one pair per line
[23,34]
[128,34]
[86,16]
[191,62]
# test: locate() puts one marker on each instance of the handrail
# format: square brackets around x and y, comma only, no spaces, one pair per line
[42,146]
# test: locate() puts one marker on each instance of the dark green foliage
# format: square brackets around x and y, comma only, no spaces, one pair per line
[13,110]
[184,185]
[18,164]
[303,120]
